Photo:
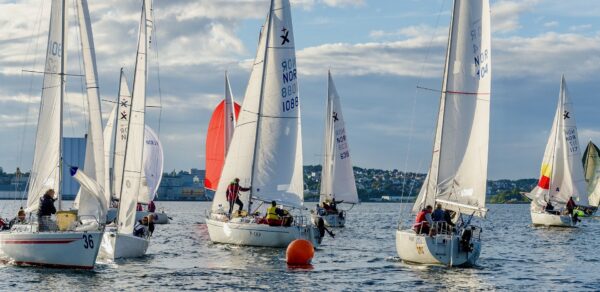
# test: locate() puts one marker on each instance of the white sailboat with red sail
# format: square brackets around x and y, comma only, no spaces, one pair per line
[265,153]
[73,240]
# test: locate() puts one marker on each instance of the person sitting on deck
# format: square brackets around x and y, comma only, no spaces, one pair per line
[550,208]
[151,207]
[440,215]
[20,219]
[277,216]
[144,227]
[570,207]
[423,221]
[233,195]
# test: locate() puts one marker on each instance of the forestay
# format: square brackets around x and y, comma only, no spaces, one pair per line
[337,175]
[562,171]
[152,167]
[132,170]
[45,172]
[458,172]
[266,149]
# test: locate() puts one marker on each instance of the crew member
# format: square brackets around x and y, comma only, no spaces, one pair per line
[423,221]
[233,196]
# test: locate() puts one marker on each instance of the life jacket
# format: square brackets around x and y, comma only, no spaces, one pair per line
[421,219]
[272,213]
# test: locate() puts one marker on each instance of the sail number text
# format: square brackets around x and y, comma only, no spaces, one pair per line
[289,90]
[572,141]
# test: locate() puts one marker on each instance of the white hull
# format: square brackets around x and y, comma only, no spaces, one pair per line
[547,219]
[333,220]
[252,234]
[68,249]
[160,217]
[116,246]
[437,250]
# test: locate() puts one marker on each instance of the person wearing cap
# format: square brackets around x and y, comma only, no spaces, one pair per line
[20,219]
[233,195]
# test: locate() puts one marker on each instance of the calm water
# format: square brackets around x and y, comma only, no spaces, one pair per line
[361,257]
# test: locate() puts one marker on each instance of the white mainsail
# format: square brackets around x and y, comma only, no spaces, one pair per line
[46,169]
[132,170]
[458,172]
[266,150]
[337,175]
[562,170]
[109,134]
[94,156]
[592,173]
[152,167]
[229,114]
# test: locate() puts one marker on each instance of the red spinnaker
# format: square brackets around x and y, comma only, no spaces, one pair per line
[215,146]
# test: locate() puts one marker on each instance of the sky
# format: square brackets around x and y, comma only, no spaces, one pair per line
[378,51]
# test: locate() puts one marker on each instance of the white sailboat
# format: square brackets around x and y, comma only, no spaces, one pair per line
[70,242]
[591,167]
[266,150]
[458,172]
[561,174]
[337,176]
[119,240]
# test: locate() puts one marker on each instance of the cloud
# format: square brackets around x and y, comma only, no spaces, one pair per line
[506,14]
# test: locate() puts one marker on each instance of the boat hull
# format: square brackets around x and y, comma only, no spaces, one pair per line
[547,219]
[441,249]
[69,249]
[332,220]
[252,234]
[160,217]
[117,246]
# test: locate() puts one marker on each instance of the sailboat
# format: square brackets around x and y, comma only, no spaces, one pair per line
[337,175]
[218,137]
[74,239]
[266,150]
[591,168]
[457,176]
[561,175]
[119,240]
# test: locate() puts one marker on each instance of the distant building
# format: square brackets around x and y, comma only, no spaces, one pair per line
[73,155]
[182,186]
[391,198]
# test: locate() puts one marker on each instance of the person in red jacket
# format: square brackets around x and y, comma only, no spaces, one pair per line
[233,195]
[423,221]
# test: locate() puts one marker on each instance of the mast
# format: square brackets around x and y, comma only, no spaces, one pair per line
[62,97]
[260,105]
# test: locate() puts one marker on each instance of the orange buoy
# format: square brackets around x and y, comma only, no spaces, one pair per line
[299,252]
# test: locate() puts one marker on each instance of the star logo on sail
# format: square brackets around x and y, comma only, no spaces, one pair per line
[284,36]
[566,115]
[124,103]
[123,115]
[335,117]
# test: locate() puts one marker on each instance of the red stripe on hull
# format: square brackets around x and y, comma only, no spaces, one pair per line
[59,241]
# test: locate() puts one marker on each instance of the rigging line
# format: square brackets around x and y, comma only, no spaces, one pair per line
[83,91]
[30,90]
[154,32]
[51,73]
[414,103]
